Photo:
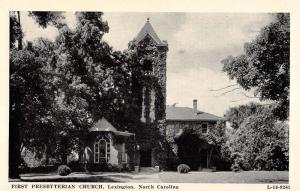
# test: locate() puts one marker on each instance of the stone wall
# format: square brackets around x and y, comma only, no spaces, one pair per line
[151,79]
[174,127]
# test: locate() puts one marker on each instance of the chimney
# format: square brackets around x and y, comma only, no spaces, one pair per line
[195,106]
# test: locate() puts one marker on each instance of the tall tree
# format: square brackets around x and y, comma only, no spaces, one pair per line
[29,104]
[28,99]
[93,79]
[265,65]
[79,78]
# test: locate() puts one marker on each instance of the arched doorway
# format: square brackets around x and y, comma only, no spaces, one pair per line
[102,149]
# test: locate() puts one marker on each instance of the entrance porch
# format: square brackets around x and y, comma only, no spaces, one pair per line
[194,151]
[106,145]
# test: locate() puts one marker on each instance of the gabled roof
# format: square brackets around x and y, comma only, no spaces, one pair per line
[103,125]
[148,30]
[174,113]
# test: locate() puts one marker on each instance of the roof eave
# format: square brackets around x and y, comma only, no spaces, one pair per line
[196,120]
[157,42]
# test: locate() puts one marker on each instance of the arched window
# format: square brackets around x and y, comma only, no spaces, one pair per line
[152,106]
[101,149]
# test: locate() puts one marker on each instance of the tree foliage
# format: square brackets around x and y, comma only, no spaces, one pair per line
[236,115]
[265,65]
[257,139]
[261,143]
[90,70]
[29,102]
[46,18]
[218,137]
[90,79]
[58,89]
[31,96]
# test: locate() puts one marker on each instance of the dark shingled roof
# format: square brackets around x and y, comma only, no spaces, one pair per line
[174,113]
[148,30]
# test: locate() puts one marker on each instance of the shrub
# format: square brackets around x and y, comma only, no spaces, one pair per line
[235,167]
[63,170]
[237,162]
[183,168]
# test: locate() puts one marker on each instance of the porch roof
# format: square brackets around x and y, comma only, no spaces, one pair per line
[105,126]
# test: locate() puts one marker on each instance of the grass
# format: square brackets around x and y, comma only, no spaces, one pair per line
[75,177]
[226,177]
[266,177]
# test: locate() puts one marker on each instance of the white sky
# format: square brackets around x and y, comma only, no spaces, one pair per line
[197,44]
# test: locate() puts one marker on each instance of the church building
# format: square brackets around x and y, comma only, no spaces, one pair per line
[159,135]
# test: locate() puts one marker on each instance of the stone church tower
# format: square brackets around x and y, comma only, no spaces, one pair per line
[150,55]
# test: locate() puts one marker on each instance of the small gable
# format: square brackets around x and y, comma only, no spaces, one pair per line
[103,125]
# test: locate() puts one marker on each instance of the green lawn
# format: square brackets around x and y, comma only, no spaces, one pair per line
[226,177]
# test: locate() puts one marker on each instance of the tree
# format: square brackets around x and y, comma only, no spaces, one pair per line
[29,104]
[42,18]
[47,139]
[81,79]
[236,115]
[257,139]
[15,30]
[265,65]
[261,143]
[29,99]
[92,79]
[46,18]
[217,138]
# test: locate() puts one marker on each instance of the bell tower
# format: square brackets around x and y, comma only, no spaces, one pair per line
[151,55]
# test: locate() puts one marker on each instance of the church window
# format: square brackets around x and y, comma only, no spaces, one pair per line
[102,150]
[204,129]
[143,118]
[152,106]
